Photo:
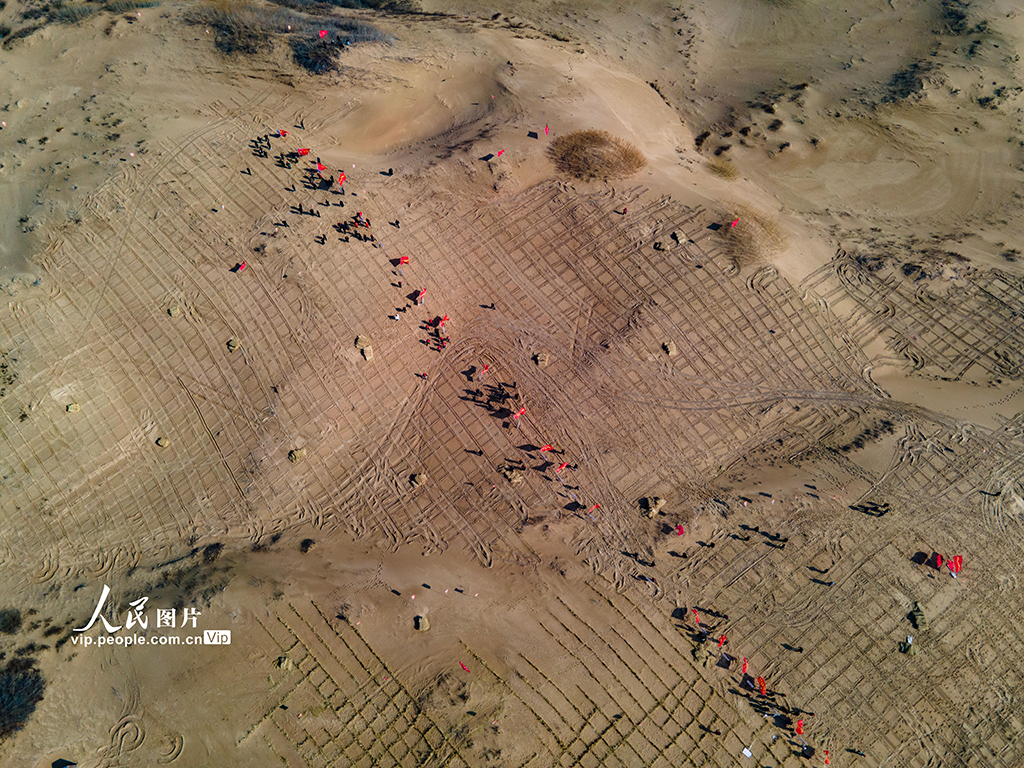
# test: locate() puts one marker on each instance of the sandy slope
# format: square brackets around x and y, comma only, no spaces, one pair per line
[845,391]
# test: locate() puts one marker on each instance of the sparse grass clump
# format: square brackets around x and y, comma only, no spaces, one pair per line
[755,238]
[593,154]
[387,6]
[251,29]
[238,30]
[20,691]
[316,56]
[123,6]
[723,168]
[74,13]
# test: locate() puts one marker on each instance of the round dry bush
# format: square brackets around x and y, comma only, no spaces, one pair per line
[755,238]
[593,154]
[723,168]
[10,620]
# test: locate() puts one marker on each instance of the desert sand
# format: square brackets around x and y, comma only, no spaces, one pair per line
[797,327]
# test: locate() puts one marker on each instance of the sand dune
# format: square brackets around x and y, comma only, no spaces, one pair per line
[798,326]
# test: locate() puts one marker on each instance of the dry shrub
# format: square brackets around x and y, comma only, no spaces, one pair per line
[74,13]
[20,691]
[723,168]
[755,238]
[239,26]
[594,154]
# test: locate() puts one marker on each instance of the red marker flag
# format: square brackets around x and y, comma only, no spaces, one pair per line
[938,561]
[593,508]
[303,152]
[341,179]
[500,153]
[722,641]
[680,530]
[958,562]
[281,134]
[735,222]
[826,757]
[403,260]
[486,367]
[323,33]
[562,466]
[744,665]
[763,686]
[696,615]
[321,167]
[545,130]
[521,412]
[799,727]
[464,666]
[547,448]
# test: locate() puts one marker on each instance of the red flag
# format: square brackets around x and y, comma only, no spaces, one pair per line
[826,757]
[403,260]
[562,466]
[323,33]
[735,222]
[696,615]
[763,686]
[545,130]
[282,133]
[464,666]
[500,152]
[521,412]
[303,152]
[486,367]
[321,167]
[722,640]
[744,665]
[679,530]
[241,266]
[593,508]
[938,561]
[799,727]
[959,561]
[547,448]
[341,179]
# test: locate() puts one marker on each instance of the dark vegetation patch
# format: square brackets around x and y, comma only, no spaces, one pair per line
[385,6]
[906,82]
[123,6]
[10,621]
[251,30]
[183,581]
[869,435]
[20,691]
[211,552]
[956,18]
